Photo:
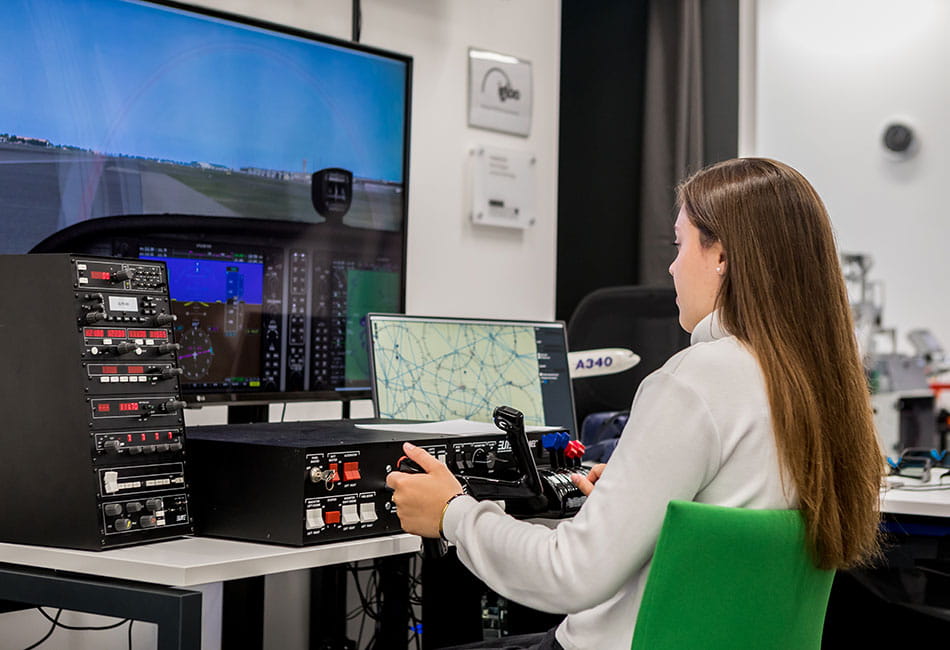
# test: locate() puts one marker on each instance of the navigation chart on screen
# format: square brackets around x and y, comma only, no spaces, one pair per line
[440,370]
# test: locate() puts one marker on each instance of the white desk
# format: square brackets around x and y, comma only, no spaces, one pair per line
[111,581]
[193,561]
[909,496]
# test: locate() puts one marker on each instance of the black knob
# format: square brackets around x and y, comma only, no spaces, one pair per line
[95,316]
[111,445]
[173,405]
[164,319]
[122,348]
[168,373]
[164,348]
[94,297]
[122,275]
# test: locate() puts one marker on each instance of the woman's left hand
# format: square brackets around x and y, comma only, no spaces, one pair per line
[420,498]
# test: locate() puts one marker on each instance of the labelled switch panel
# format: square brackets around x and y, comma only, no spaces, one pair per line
[344,515]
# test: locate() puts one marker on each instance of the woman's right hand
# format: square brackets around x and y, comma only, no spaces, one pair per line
[586,483]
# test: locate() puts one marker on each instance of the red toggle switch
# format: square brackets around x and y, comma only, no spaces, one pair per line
[331,516]
[336,472]
[351,471]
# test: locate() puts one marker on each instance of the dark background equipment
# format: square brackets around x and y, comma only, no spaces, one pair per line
[643,319]
[93,430]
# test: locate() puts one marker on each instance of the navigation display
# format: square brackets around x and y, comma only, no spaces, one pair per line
[218,298]
[442,369]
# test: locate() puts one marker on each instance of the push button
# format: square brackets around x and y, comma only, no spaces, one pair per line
[332,517]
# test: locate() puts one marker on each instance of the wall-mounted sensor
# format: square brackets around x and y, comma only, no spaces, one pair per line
[331,191]
[899,138]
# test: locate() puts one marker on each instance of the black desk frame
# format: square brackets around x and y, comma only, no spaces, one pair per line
[177,612]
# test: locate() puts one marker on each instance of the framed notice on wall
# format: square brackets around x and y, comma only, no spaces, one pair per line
[499,92]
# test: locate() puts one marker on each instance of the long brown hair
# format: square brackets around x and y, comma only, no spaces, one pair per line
[784,296]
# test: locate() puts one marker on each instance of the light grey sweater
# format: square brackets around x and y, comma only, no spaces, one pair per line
[699,430]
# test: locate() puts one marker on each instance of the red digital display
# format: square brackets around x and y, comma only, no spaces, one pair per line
[103,408]
[157,436]
[136,370]
[157,334]
[115,333]
[128,406]
[128,437]
[170,435]
[136,334]
[100,275]
[94,333]
[110,370]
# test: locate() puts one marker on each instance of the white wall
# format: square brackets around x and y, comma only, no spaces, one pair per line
[454,268]
[828,76]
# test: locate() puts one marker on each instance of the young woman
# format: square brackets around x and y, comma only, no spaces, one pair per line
[767,408]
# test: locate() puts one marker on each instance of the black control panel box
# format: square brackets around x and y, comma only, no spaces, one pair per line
[93,433]
[303,483]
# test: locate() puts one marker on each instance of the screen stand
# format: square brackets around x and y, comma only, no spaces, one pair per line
[345,410]
[246,414]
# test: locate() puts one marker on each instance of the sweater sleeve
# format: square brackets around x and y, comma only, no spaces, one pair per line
[670,449]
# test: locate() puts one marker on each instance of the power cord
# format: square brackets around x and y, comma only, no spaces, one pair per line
[56,624]
[49,633]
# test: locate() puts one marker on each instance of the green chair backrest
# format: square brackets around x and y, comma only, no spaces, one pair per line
[732,578]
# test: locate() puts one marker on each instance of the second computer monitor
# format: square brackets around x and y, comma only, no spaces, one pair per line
[427,368]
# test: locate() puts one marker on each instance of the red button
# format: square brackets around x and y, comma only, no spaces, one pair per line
[332,516]
[351,471]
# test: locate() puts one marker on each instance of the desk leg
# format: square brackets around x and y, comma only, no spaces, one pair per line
[242,613]
[177,612]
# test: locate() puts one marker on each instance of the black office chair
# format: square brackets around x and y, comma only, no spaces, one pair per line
[643,319]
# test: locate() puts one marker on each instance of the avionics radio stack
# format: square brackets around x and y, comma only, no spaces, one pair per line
[92,436]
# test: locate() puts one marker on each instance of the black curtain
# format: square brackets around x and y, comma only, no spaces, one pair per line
[603,48]
[649,93]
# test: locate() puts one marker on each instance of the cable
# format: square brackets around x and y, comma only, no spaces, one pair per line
[357,21]
[55,622]
[131,623]
[52,628]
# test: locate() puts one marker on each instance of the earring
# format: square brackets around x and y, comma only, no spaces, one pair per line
[719,270]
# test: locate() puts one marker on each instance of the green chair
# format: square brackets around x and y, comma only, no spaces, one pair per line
[732,578]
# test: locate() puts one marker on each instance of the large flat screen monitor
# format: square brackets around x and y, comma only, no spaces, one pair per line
[448,368]
[124,113]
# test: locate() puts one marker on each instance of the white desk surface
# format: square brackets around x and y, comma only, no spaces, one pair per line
[200,560]
[907,496]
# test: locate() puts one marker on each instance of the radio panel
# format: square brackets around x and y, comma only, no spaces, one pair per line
[98,401]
